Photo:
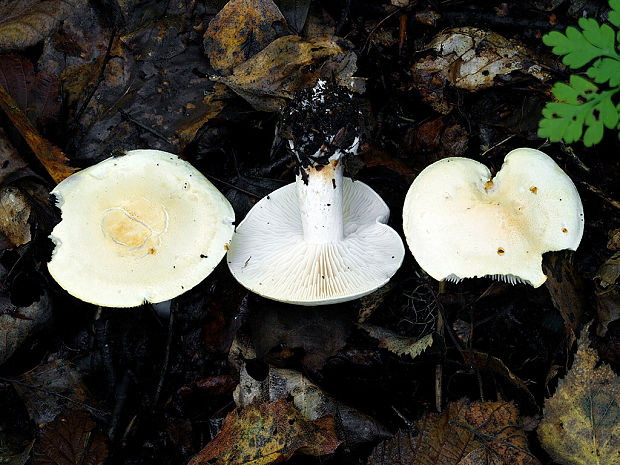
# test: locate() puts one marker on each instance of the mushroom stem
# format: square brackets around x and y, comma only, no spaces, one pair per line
[319,191]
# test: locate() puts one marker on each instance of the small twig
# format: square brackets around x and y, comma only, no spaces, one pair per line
[601,194]
[130,118]
[164,368]
[497,145]
[372,31]
[233,186]
[121,398]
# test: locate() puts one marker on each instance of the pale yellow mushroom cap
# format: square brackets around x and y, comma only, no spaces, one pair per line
[144,227]
[460,223]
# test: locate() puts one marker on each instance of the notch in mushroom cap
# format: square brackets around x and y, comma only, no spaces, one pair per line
[460,223]
[323,239]
[144,227]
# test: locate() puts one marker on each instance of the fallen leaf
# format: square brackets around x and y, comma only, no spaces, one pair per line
[26,22]
[566,288]
[397,344]
[14,215]
[37,94]
[14,449]
[10,161]
[240,30]
[50,156]
[607,293]
[354,426]
[295,12]
[267,433]
[48,389]
[71,439]
[614,240]
[581,421]
[287,65]
[464,434]
[469,58]
[20,323]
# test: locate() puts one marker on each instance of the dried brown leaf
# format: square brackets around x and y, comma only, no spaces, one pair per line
[607,293]
[581,421]
[268,433]
[14,215]
[240,30]
[50,156]
[26,22]
[464,434]
[286,65]
[10,161]
[397,344]
[48,389]
[71,439]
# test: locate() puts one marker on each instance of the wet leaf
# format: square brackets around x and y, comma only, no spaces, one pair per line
[311,401]
[607,293]
[14,449]
[240,30]
[71,439]
[397,344]
[470,58]
[48,389]
[464,434]
[37,94]
[581,421]
[268,433]
[26,22]
[295,12]
[50,156]
[17,324]
[10,161]
[14,215]
[289,64]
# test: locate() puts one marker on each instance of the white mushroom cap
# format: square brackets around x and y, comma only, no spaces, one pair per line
[269,256]
[461,224]
[143,227]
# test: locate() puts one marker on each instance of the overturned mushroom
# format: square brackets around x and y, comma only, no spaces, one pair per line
[460,223]
[322,239]
[144,227]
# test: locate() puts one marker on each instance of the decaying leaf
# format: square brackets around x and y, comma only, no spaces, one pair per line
[354,426]
[470,58]
[10,161]
[50,156]
[14,449]
[48,389]
[397,344]
[464,434]
[566,287]
[71,439]
[240,30]
[35,93]
[581,421]
[267,433]
[289,64]
[607,293]
[25,22]
[19,323]
[14,215]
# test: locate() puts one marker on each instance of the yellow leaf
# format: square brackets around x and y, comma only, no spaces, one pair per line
[581,421]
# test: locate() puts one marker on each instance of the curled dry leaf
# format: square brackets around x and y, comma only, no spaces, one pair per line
[26,22]
[240,30]
[71,439]
[469,58]
[50,156]
[311,401]
[607,293]
[267,433]
[289,64]
[397,344]
[464,434]
[14,215]
[581,421]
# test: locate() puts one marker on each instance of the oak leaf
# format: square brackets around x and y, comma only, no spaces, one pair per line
[240,30]
[268,433]
[464,434]
[581,421]
[26,22]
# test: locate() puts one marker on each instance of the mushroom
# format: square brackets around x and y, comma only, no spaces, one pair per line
[144,227]
[323,239]
[461,223]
